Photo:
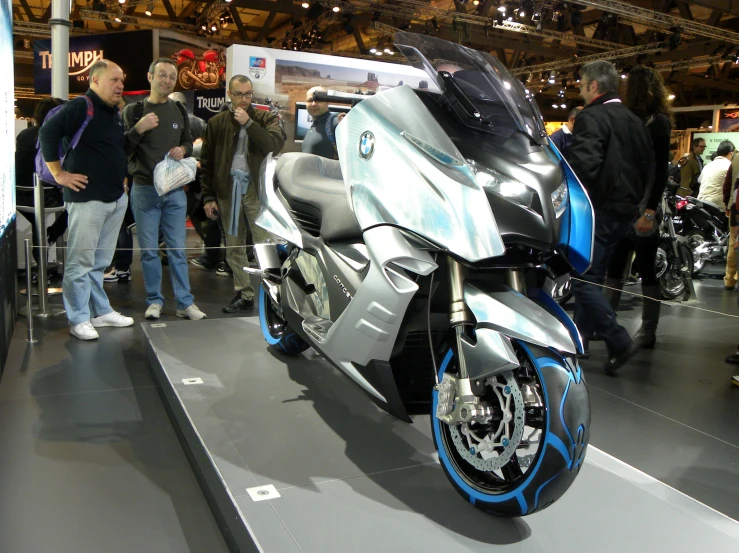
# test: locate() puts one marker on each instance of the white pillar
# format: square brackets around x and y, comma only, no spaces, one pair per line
[60,25]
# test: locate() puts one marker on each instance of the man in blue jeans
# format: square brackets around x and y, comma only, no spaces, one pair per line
[155,129]
[92,177]
[611,154]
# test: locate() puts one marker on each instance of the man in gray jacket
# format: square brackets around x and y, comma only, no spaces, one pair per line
[155,128]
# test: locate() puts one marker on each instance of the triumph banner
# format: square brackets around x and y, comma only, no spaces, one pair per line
[133,51]
[208,103]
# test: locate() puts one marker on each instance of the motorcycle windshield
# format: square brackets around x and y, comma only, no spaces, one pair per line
[481,91]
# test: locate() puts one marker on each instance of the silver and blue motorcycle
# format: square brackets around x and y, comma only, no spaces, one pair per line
[416,265]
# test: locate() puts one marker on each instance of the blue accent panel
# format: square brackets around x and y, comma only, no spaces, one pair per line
[536,495]
[577,223]
[271,340]
[556,310]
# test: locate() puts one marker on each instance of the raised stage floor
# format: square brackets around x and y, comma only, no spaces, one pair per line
[336,474]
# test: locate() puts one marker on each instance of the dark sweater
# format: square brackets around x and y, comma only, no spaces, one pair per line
[100,153]
[148,149]
[317,141]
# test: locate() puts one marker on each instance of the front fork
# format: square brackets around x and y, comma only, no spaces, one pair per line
[460,315]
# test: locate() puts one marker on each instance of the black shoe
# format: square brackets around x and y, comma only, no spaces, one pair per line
[618,361]
[239,304]
[733,358]
[222,269]
[645,341]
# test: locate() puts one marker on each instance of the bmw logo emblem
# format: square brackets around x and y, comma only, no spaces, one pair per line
[366,145]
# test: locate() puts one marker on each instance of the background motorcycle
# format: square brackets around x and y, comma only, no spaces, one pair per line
[208,72]
[706,229]
[415,265]
[674,262]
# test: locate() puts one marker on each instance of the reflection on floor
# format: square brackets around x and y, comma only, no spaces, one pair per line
[89,461]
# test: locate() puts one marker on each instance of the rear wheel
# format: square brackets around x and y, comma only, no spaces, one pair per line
[531,449]
[670,270]
[696,243]
[275,329]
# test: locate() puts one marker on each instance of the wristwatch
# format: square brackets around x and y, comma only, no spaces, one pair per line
[649,216]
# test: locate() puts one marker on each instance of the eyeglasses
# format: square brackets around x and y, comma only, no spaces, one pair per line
[167,76]
[242,94]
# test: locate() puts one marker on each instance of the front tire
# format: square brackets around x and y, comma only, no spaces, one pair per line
[275,330]
[529,481]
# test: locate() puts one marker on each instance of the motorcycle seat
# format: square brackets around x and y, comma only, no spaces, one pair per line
[314,188]
[710,206]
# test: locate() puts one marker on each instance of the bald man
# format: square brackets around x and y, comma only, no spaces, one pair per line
[321,137]
[92,176]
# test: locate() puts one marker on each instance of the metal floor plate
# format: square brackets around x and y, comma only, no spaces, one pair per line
[347,477]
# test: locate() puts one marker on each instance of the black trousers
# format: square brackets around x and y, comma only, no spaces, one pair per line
[646,255]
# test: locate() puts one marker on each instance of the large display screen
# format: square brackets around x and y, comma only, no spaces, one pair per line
[303,120]
[7,119]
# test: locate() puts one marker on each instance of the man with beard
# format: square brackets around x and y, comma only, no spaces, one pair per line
[155,128]
[236,142]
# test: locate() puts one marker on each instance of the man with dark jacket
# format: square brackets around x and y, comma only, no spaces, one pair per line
[236,142]
[562,138]
[92,177]
[611,154]
[692,169]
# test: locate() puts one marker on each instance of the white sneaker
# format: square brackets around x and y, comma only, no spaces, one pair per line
[153,312]
[112,319]
[192,312]
[84,331]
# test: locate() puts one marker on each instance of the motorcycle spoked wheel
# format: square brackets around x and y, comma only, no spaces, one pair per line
[275,329]
[532,482]
[695,240]
[669,275]
[185,80]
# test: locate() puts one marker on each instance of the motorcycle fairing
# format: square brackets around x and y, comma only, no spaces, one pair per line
[273,215]
[367,329]
[576,235]
[425,187]
[504,310]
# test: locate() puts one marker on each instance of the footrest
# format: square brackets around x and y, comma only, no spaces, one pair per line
[317,327]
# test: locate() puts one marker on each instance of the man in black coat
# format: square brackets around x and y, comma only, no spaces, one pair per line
[612,156]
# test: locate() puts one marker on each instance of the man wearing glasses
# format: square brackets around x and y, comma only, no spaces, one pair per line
[236,142]
[155,128]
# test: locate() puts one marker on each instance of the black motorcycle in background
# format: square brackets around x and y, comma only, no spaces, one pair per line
[674,263]
[706,229]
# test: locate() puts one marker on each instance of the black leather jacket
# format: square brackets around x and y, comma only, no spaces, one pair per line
[612,155]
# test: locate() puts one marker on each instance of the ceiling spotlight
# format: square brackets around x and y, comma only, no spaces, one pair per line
[623,75]
[563,106]
[214,27]
[121,1]
[228,1]
[476,2]
[149,8]
[336,9]
[552,77]
[203,28]
[119,16]
[306,5]
[373,50]
[555,106]
[671,97]
[502,8]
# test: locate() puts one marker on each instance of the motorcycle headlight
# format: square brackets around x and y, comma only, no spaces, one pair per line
[559,199]
[511,189]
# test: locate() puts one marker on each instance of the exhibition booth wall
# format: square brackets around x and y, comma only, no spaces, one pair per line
[7,188]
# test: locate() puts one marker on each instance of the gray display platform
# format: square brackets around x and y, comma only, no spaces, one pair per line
[340,475]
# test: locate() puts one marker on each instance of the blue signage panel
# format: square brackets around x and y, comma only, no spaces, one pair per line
[133,51]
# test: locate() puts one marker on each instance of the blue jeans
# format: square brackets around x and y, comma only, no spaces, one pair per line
[167,212]
[93,231]
[593,313]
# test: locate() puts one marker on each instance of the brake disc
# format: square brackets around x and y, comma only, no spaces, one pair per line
[493,450]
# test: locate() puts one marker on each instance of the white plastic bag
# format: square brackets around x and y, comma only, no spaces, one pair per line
[170,174]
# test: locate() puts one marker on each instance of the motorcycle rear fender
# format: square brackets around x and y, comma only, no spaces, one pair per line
[503,314]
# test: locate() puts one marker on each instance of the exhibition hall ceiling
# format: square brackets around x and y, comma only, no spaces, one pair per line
[695,45]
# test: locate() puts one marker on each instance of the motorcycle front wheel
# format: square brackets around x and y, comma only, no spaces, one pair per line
[534,447]
[184,77]
[669,270]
